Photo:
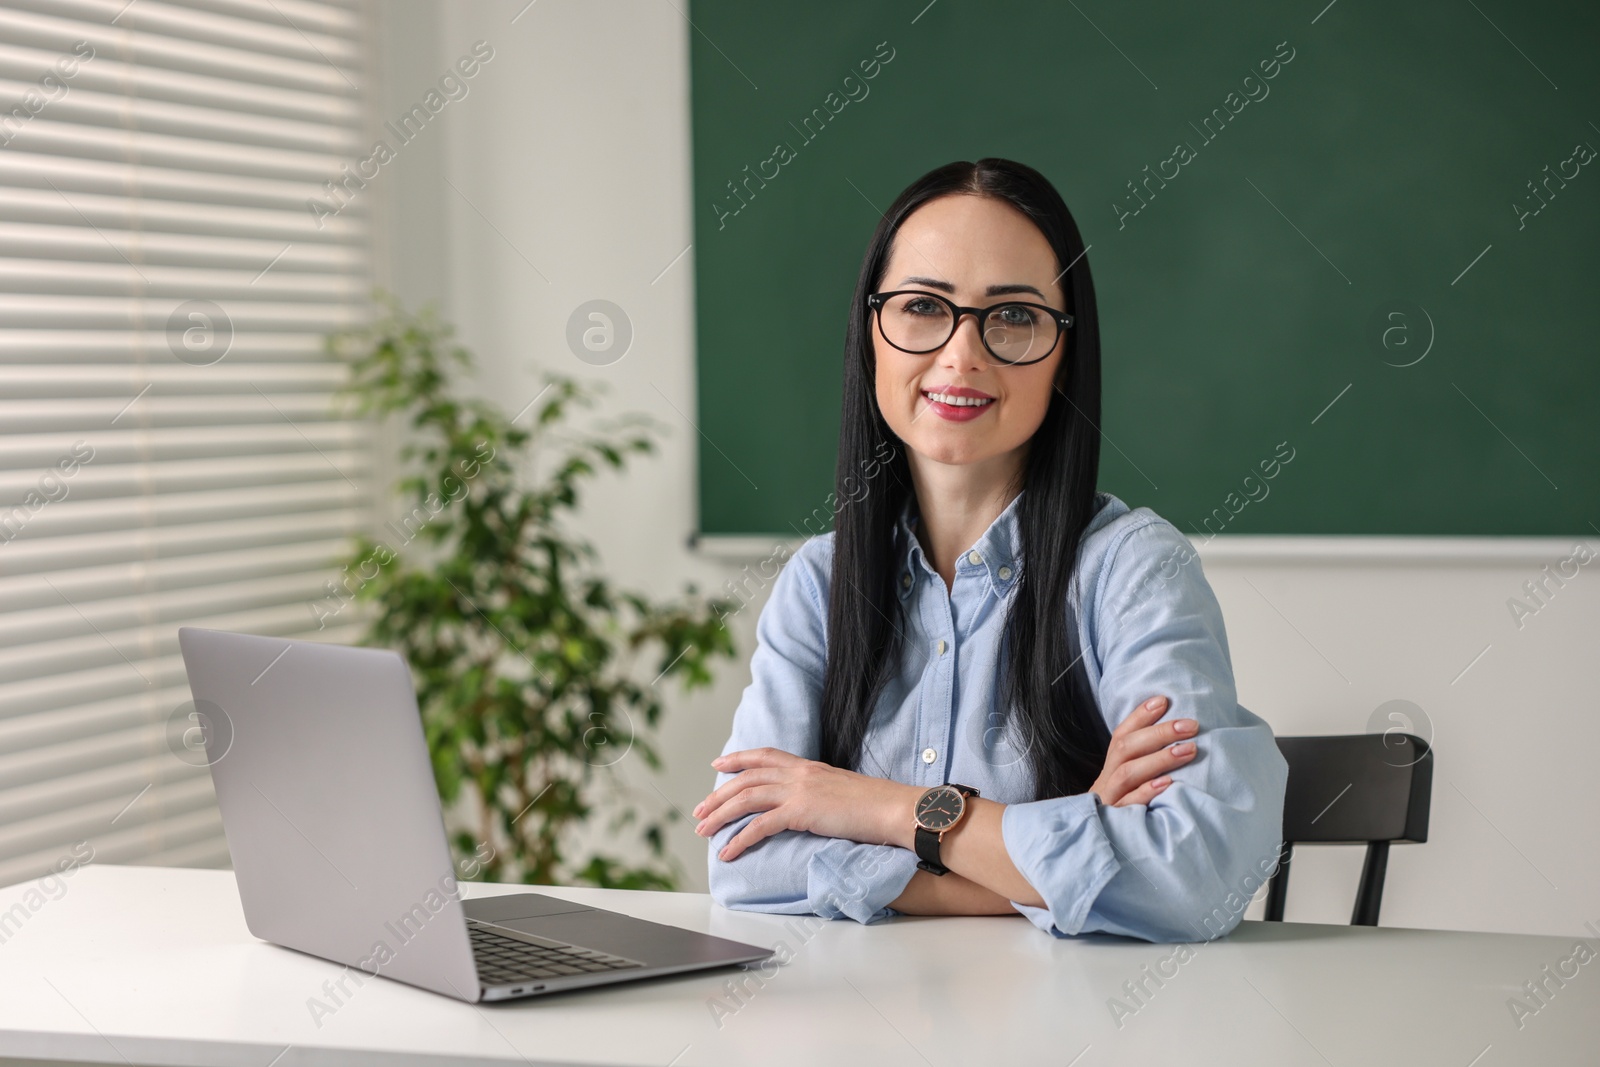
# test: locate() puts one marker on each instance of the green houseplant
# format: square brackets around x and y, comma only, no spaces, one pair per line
[535,676]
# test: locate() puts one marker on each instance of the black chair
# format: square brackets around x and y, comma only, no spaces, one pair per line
[1348,790]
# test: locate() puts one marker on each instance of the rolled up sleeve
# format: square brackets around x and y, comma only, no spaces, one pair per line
[794,872]
[1184,867]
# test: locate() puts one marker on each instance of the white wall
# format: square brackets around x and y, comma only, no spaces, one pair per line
[573,151]
[1318,647]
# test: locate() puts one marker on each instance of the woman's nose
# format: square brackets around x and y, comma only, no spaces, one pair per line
[964,352]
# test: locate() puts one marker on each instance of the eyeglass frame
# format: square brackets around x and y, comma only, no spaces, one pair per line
[1063,320]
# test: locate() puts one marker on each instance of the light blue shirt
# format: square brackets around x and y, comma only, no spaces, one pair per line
[1182,868]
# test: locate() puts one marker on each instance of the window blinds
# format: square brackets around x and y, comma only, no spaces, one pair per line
[168,452]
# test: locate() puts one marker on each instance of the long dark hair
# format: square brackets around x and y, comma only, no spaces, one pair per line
[1045,685]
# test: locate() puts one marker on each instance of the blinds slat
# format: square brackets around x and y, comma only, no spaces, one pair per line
[37,695]
[123,276]
[82,585]
[107,73]
[122,481]
[90,414]
[47,133]
[70,244]
[32,555]
[132,347]
[73,380]
[130,514]
[112,111]
[192,486]
[158,407]
[156,217]
[333,18]
[67,176]
[37,451]
[132,312]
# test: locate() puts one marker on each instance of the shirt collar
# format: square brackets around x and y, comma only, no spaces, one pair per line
[995,553]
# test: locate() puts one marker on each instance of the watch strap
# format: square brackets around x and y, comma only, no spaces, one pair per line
[928,852]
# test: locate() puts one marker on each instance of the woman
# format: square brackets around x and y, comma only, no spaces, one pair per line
[981,615]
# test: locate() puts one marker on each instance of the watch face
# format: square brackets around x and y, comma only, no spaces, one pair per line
[940,807]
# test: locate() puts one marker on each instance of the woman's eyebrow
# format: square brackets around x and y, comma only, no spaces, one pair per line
[1003,290]
[993,290]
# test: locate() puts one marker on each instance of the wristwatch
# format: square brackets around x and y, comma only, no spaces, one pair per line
[937,811]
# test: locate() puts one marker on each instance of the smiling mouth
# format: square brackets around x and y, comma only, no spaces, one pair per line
[955,401]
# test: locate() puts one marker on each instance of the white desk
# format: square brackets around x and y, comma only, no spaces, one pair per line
[154,966]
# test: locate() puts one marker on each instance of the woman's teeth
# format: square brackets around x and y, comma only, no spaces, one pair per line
[960,401]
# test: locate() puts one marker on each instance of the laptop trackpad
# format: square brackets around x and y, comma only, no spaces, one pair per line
[518,906]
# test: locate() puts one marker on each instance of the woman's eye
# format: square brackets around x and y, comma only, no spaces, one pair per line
[923,306]
[1017,315]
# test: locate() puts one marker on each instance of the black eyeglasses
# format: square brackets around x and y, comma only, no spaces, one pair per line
[1014,333]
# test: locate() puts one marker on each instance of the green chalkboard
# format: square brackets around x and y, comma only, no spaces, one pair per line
[1383,259]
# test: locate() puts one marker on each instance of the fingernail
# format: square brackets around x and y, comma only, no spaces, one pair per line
[1162,782]
[718,761]
[700,828]
[697,813]
[1183,748]
[1185,726]
[1156,703]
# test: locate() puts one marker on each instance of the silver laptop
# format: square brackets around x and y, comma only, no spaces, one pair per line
[332,817]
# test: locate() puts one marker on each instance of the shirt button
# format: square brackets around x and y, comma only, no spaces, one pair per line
[905,581]
[973,558]
[1005,574]
[929,755]
[940,647]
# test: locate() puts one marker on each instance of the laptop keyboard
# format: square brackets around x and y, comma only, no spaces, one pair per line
[503,959]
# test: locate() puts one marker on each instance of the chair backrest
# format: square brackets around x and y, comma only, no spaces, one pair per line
[1371,789]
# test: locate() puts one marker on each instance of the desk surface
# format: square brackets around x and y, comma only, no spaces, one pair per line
[155,966]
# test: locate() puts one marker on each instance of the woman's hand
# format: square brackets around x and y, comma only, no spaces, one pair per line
[1141,753]
[791,793]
